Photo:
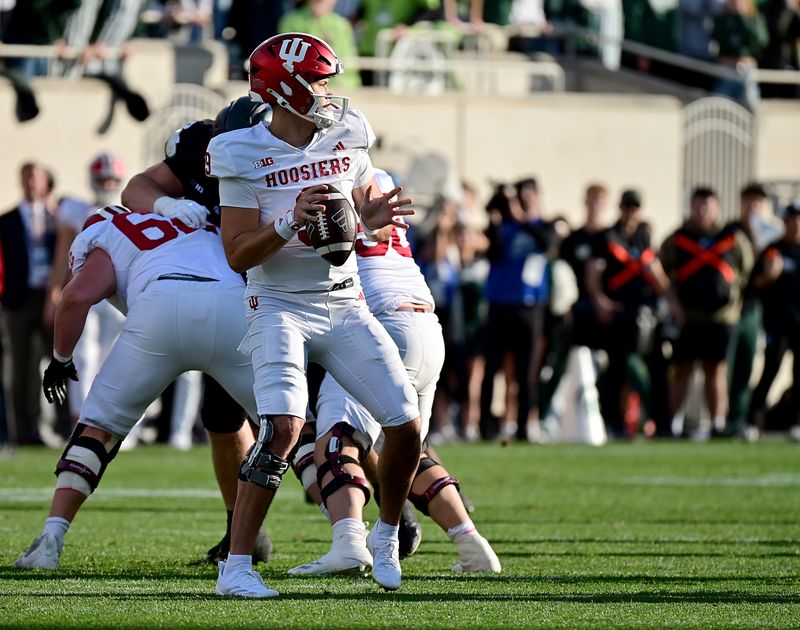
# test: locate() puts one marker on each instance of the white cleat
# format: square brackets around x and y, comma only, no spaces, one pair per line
[385,561]
[242,583]
[702,433]
[44,553]
[476,554]
[352,560]
[751,434]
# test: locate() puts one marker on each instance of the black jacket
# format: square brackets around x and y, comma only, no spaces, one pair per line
[14,288]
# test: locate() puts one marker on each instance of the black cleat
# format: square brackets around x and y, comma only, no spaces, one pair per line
[219,552]
[262,550]
[410,534]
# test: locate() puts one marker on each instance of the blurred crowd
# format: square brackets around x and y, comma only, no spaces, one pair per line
[740,34]
[520,294]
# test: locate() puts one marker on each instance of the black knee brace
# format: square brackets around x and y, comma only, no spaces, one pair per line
[263,468]
[84,461]
[335,461]
[302,456]
[421,501]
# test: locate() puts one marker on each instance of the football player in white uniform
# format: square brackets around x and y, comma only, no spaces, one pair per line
[178,187]
[397,294]
[184,312]
[103,322]
[300,307]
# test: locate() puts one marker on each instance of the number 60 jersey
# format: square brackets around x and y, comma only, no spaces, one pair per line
[144,247]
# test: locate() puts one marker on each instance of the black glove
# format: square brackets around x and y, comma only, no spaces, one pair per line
[55,378]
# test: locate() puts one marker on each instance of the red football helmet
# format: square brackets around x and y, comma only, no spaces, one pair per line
[106,175]
[282,70]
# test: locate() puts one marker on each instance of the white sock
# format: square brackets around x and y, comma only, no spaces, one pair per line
[718,423]
[243,561]
[467,527]
[57,526]
[324,510]
[384,530]
[348,523]
[348,531]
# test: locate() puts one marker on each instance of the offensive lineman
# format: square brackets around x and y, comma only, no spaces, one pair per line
[299,307]
[183,305]
[397,295]
[104,322]
[178,187]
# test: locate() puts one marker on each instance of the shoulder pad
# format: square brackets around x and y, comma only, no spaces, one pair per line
[198,131]
[359,128]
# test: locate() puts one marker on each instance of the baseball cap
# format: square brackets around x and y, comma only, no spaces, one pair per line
[630,198]
[792,210]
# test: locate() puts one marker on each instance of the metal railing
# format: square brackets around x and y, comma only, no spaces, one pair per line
[750,77]
[488,74]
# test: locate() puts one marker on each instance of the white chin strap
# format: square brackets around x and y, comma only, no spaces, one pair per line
[323,118]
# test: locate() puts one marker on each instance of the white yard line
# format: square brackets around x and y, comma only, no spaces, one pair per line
[787,480]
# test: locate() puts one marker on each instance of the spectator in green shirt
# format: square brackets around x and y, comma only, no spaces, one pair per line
[318,18]
[741,37]
[380,14]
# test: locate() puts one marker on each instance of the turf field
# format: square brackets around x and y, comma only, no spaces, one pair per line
[644,534]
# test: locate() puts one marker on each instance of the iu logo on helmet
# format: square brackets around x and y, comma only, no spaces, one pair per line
[293,51]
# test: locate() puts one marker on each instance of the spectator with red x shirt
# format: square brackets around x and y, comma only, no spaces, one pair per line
[623,278]
[709,266]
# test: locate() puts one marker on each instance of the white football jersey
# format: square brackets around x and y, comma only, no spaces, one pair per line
[258,170]
[74,212]
[389,275]
[143,247]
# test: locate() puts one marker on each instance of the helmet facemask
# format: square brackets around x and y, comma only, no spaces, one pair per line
[325,111]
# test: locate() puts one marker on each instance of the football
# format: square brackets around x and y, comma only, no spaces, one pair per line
[333,236]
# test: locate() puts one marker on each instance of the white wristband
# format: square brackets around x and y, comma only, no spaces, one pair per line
[287,227]
[61,359]
[369,231]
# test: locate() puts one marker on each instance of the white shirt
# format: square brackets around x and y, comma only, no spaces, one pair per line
[143,247]
[258,170]
[34,218]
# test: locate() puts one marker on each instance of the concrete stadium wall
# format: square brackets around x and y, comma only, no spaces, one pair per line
[565,140]
[778,140]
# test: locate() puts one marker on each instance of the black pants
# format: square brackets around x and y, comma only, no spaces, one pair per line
[28,343]
[778,342]
[517,330]
[621,340]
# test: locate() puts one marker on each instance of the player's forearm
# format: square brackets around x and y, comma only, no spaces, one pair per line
[249,249]
[70,320]
[141,193]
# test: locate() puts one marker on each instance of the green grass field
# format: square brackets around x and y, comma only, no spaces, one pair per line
[643,534]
